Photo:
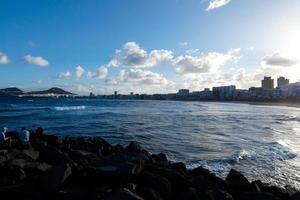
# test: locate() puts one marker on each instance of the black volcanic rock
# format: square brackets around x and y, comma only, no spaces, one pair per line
[90,168]
[54,90]
[11,91]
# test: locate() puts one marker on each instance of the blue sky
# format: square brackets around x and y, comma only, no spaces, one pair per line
[146,46]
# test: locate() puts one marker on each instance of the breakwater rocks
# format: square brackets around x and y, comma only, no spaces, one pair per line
[53,167]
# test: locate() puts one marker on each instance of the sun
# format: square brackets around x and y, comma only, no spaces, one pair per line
[290,44]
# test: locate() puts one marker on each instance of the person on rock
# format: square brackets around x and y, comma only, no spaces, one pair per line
[39,133]
[24,136]
[3,137]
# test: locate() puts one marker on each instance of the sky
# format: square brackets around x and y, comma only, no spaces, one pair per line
[147,46]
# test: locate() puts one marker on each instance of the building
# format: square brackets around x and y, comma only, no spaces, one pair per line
[267,83]
[281,81]
[183,92]
[290,90]
[240,94]
[255,92]
[116,93]
[224,92]
[206,94]
[92,94]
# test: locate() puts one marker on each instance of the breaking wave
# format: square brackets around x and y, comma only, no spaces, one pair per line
[66,108]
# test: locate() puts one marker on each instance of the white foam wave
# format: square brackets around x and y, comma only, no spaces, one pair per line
[243,155]
[64,108]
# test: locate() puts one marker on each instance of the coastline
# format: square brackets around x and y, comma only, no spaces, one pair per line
[286,103]
[54,167]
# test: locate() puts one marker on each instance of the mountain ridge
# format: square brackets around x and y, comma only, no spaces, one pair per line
[54,91]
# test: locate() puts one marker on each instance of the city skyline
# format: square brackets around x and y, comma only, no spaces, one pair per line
[157,47]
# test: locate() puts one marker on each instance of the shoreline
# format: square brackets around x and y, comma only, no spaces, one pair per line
[283,103]
[54,167]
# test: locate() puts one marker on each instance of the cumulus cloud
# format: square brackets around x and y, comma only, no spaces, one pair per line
[137,77]
[79,72]
[36,60]
[132,55]
[276,59]
[101,73]
[3,58]
[210,62]
[65,75]
[214,4]
[192,51]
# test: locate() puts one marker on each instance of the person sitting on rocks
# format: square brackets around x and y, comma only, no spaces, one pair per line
[3,137]
[24,136]
[39,133]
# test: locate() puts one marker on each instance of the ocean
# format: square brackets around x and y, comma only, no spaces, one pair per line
[261,141]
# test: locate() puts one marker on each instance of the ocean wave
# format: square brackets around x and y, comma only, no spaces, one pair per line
[242,155]
[66,108]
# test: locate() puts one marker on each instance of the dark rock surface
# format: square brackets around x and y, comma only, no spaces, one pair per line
[53,167]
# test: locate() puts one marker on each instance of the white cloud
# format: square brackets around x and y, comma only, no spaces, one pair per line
[208,63]
[137,77]
[214,4]
[191,51]
[101,73]
[276,59]
[36,60]
[79,72]
[138,81]
[132,55]
[65,75]
[3,58]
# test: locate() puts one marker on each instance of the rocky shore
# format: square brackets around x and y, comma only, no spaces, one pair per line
[53,167]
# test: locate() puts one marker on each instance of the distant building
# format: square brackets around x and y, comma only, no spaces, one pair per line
[240,94]
[255,92]
[291,90]
[183,92]
[224,92]
[267,83]
[281,81]
[131,93]
[116,93]
[206,94]
[92,94]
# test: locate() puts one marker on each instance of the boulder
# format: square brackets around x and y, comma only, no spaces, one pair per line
[276,191]
[11,174]
[296,196]
[199,171]
[179,167]
[237,181]
[74,191]
[149,194]
[257,196]
[53,179]
[82,156]
[26,154]
[53,140]
[53,156]
[123,194]
[116,173]
[189,193]
[216,194]
[154,181]
[134,147]
[160,159]
[205,183]
[21,191]
[178,181]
